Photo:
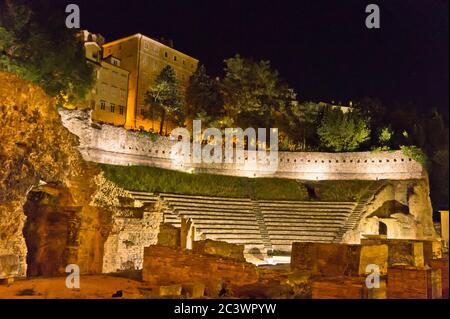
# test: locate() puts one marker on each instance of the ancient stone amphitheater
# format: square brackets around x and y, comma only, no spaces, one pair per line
[264,227]
[267,228]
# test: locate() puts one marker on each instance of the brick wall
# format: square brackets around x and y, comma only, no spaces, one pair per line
[166,266]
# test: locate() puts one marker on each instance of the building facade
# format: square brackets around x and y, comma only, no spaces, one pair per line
[144,58]
[108,97]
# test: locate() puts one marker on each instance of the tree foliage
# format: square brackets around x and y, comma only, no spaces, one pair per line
[203,95]
[254,95]
[164,96]
[36,45]
[340,131]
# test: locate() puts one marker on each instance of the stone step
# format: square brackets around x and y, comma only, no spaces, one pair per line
[306,209]
[208,222]
[147,201]
[226,237]
[287,233]
[212,212]
[317,223]
[309,227]
[228,231]
[300,236]
[300,219]
[203,217]
[238,241]
[231,226]
[141,193]
[210,204]
[137,196]
[303,239]
[211,208]
[294,202]
[199,197]
[305,212]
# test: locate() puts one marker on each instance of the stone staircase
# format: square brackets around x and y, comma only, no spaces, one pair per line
[262,226]
[226,219]
[303,221]
[144,197]
[357,213]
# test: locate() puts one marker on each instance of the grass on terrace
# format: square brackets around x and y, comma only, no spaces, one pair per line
[151,179]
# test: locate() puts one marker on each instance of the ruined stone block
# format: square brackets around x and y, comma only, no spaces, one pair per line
[339,288]
[347,288]
[194,290]
[405,252]
[169,236]
[373,255]
[333,260]
[172,290]
[408,282]
[9,266]
[166,266]
[442,264]
[219,248]
[432,250]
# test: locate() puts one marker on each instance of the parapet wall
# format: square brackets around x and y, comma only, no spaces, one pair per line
[114,145]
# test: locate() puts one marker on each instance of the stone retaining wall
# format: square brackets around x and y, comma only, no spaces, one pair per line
[115,145]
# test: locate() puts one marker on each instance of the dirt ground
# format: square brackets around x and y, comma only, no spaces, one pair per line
[91,287]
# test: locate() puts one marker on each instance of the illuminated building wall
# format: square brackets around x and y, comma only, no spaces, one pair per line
[108,97]
[144,58]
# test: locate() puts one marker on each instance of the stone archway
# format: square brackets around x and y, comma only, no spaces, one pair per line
[50,231]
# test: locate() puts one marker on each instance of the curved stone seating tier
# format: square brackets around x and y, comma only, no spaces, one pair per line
[258,225]
[144,196]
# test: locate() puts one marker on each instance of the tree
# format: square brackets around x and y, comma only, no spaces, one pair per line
[439,179]
[36,45]
[300,121]
[374,111]
[384,137]
[164,96]
[203,95]
[253,92]
[342,131]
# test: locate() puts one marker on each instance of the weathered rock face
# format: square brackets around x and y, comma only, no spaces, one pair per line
[36,148]
[401,209]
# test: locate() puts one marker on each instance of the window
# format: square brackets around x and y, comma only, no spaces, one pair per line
[102,105]
[146,45]
[121,108]
[112,107]
[174,57]
[166,54]
[142,111]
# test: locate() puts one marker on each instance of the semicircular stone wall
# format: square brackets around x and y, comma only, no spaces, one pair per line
[115,145]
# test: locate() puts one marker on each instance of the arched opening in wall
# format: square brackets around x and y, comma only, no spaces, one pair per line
[311,191]
[382,229]
[48,231]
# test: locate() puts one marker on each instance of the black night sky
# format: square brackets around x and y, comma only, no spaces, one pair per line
[321,48]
